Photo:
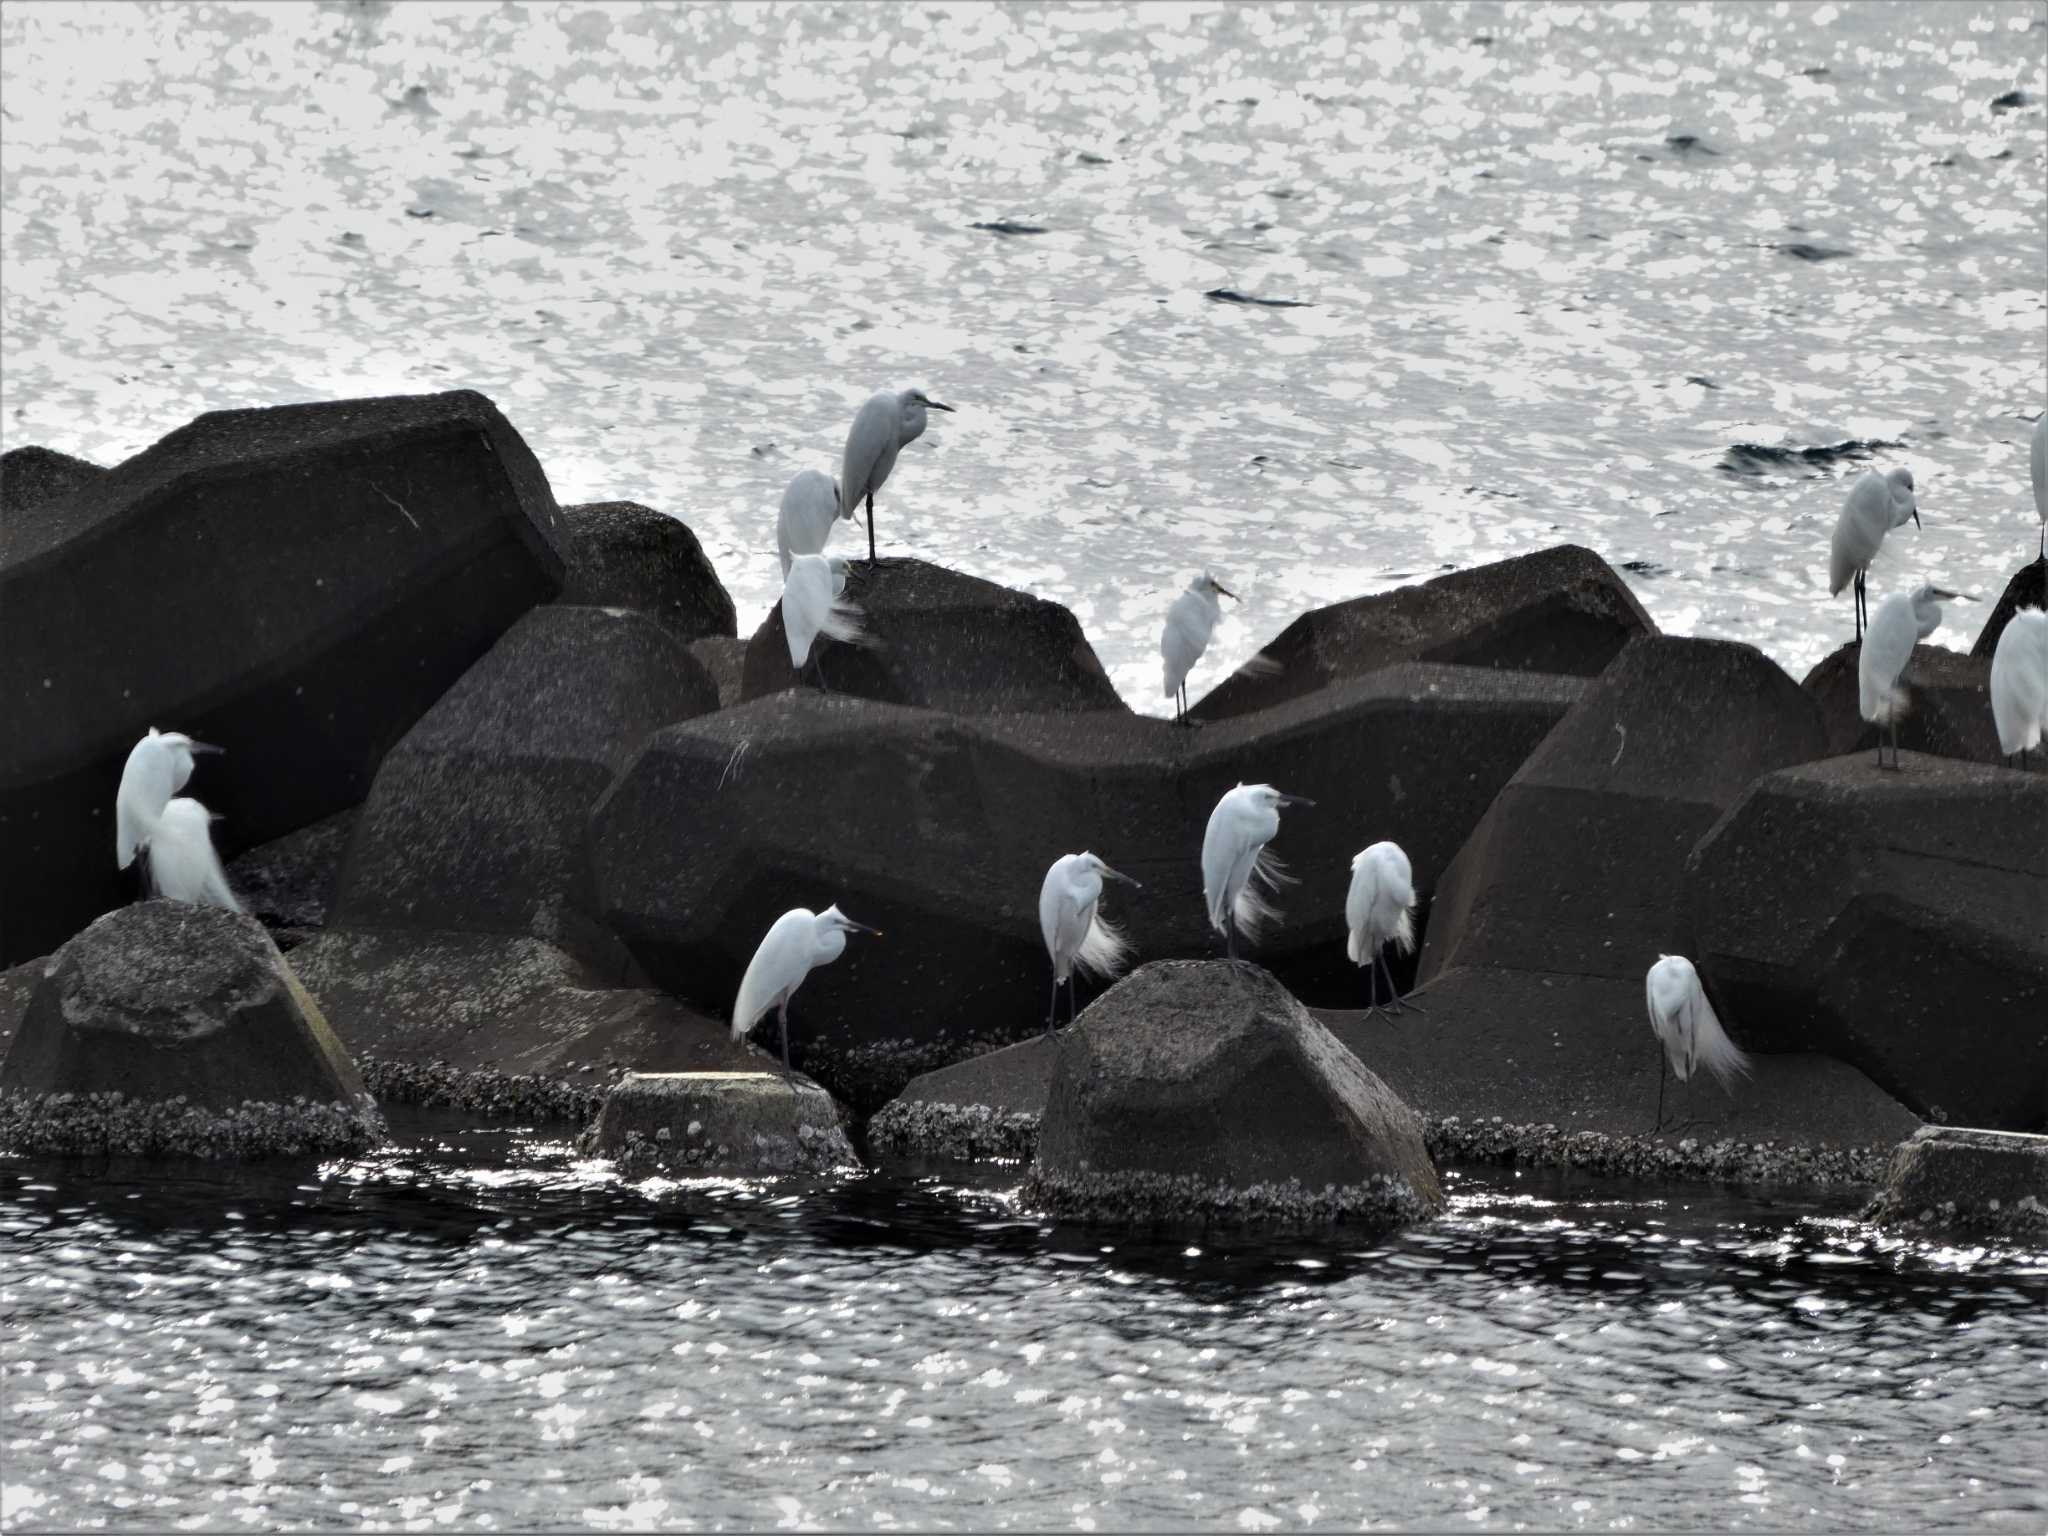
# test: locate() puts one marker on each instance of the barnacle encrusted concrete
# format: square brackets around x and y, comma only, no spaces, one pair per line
[1951,1178]
[746,1123]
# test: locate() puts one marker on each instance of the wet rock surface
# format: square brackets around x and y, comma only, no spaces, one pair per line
[623,555]
[296,585]
[173,1029]
[1204,1091]
[1972,1181]
[1948,711]
[739,1123]
[288,885]
[30,475]
[2027,589]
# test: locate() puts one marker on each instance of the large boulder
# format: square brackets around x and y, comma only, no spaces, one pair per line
[1897,919]
[30,475]
[1204,1091]
[1559,610]
[476,821]
[938,829]
[941,639]
[724,657]
[745,1124]
[296,585]
[623,555]
[1575,867]
[1971,1181]
[2027,589]
[1949,710]
[166,1028]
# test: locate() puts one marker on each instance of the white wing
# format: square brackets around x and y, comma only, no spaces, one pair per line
[778,966]
[182,863]
[1189,623]
[148,780]
[1865,518]
[803,524]
[1887,647]
[871,445]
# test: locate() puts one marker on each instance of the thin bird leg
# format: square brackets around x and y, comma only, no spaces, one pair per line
[1662,1067]
[1052,1008]
[871,527]
[818,661]
[1401,1003]
[1895,739]
[1229,939]
[782,1013]
[1073,1003]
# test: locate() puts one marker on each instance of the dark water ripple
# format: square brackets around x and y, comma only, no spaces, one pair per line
[481,1331]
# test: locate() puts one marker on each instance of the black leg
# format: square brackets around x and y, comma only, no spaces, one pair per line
[782,1013]
[1662,1066]
[1052,1007]
[1229,939]
[871,527]
[1073,1003]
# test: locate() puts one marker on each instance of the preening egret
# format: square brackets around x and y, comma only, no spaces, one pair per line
[2040,468]
[1380,910]
[182,863]
[158,767]
[882,428]
[803,526]
[1685,1024]
[1876,505]
[1189,623]
[1237,869]
[1077,937]
[2019,682]
[1901,622]
[811,606]
[796,942]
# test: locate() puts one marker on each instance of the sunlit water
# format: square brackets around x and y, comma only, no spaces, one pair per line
[678,246]
[475,1330]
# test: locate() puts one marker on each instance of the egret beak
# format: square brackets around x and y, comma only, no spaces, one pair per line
[1221,588]
[200,746]
[1961,597]
[1296,800]
[1127,880]
[859,927]
[1916,519]
[939,406]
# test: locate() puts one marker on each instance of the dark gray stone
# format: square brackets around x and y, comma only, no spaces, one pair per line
[623,555]
[171,1028]
[941,639]
[296,585]
[723,658]
[1975,1181]
[476,822]
[1203,1090]
[2027,589]
[745,1124]
[1897,919]
[30,475]
[1559,610]
[1949,714]
[288,885]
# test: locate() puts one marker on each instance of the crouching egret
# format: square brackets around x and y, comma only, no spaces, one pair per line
[889,422]
[1876,505]
[1077,936]
[803,525]
[796,942]
[812,606]
[2040,468]
[1237,869]
[1380,910]
[2019,681]
[1189,623]
[1685,1024]
[158,767]
[182,863]
[1901,622]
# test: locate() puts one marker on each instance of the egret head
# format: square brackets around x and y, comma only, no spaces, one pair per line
[1209,583]
[920,398]
[833,918]
[1901,482]
[1090,861]
[1274,799]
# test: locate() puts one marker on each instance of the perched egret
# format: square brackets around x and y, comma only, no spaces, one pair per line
[1237,869]
[1189,623]
[158,767]
[1077,936]
[890,421]
[1685,1025]
[803,526]
[2040,468]
[797,941]
[1902,621]
[1876,505]
[182,863]
[811,606]
[2019,682]
[1380,910]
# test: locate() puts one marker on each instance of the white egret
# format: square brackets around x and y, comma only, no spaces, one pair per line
[811,606]
[1077,936]
[796,942]
[1876,505]
[1380,910]
[803,526]
[882,428]
[1902,621]
[1237,868]
[182,863]
[1189,623]
[2040,468]
[158,767]
[2019,682]
[1686,1026]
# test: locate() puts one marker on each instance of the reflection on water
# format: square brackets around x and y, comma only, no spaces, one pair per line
[479,1330]
[1549,257]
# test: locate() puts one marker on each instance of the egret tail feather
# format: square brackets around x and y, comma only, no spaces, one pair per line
[1104,950]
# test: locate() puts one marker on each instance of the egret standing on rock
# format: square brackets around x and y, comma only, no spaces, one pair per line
[2040,468]
[811,606]
[889,422]
[2019,683]
[797,941]
[803,525]
[1380,910]
[1237,868]
[1189,623]
[1876,505]
[1077,937]
[1902,621]
[158,767]
[1685,1025]
[182,863]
